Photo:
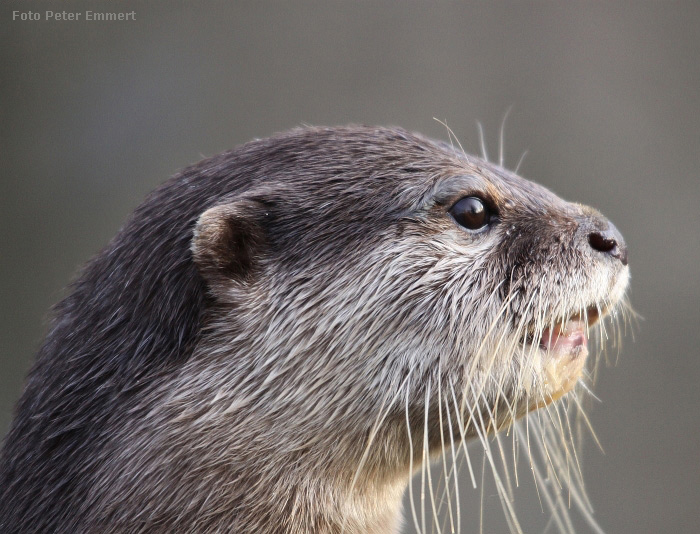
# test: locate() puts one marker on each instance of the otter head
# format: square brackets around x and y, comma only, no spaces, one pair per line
[374,295]
[281,335]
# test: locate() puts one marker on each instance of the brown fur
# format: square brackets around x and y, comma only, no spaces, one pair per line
[275,330]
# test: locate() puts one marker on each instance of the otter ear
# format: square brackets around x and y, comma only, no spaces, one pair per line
[229,240]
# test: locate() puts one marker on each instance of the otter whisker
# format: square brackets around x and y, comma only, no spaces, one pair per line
[582,413]
[501,154]
[579,471]
[557,450]
[471,373]
[381,416]
[513,445]
[513,417]
[450,133]
[503,312]
[516,336]
[520,161]
[540,482]
[483,486]
[444,456]
[463,435]
[631,317]
[528,367]
[559,508]
[497,437]
[582,503]
[455,470]
[510,515]
[526,445]
[584,387]
[602,323]
[540,427]
[426,467]
[482,143]
[620,333]
[410,468]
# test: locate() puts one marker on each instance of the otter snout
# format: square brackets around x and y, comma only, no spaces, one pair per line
[603,236]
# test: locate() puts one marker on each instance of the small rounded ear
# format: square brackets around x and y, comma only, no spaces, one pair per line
[228,242]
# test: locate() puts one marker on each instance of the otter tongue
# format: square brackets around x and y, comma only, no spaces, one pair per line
[564,339]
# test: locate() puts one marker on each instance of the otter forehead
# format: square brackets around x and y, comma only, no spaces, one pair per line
[392,168]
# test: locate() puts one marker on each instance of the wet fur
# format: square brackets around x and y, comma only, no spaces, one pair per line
[248,352]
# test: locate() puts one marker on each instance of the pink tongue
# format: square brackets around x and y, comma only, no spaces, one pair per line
[564,341]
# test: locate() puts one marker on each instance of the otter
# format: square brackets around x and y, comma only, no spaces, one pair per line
[281,335]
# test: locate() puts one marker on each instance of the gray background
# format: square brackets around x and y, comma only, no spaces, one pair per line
[606,98]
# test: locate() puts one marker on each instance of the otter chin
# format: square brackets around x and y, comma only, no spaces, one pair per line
[565,348]
[280,336]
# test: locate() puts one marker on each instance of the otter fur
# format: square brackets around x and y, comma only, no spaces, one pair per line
[276,335]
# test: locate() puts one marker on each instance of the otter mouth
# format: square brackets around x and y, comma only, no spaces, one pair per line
[564,348]
[569,336]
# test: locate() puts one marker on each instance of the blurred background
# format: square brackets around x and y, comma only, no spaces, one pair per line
[605,98]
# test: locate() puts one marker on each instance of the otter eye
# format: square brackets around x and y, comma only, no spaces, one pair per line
[471,213]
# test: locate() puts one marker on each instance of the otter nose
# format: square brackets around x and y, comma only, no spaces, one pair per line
[609,241]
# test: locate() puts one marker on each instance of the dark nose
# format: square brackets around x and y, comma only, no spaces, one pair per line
[609,241]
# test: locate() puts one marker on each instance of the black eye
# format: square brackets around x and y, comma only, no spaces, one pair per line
[471,212]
